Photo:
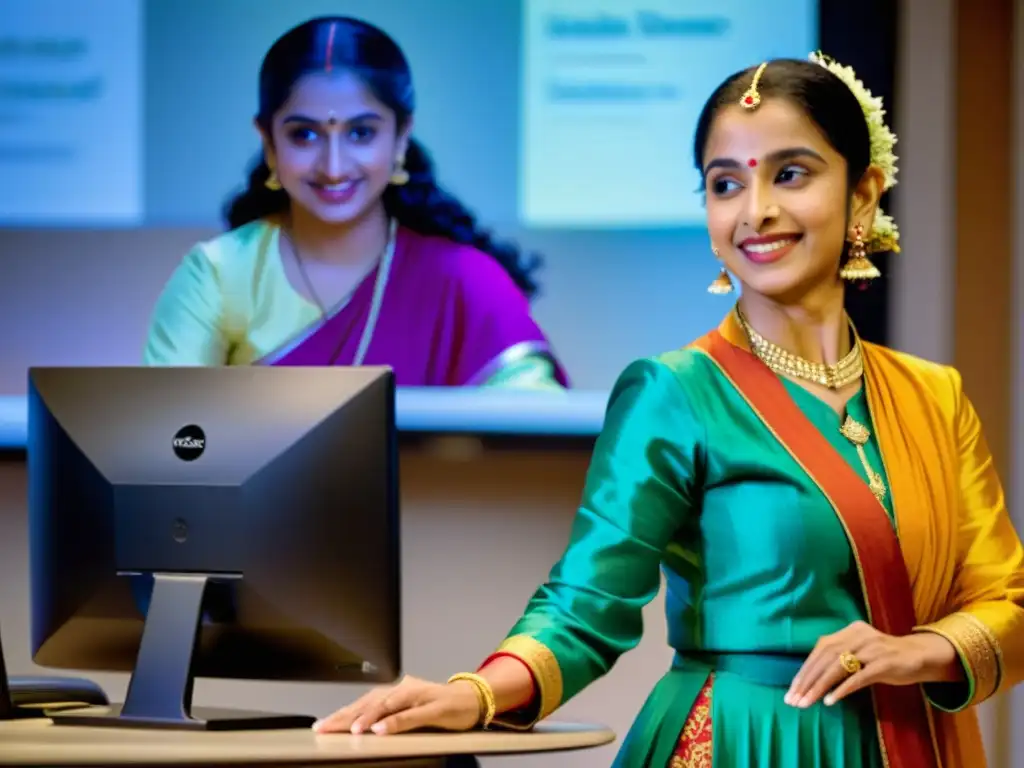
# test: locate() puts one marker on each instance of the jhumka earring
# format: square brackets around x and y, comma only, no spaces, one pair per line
[399,176]
[272,182]
[858,266]
[723,283]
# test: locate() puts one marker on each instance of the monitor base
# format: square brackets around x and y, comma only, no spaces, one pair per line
[201,719]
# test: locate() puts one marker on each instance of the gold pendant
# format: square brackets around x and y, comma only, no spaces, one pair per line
[854,431]
[859,435]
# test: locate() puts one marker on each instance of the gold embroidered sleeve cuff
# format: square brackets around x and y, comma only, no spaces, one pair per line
[980,656]
[547,676]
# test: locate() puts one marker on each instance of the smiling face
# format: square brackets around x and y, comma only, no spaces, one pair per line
[334,147]
[778,201]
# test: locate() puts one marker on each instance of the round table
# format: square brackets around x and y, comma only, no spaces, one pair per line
[36,742]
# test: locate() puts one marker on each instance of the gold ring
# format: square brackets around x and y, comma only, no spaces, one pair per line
[850,663]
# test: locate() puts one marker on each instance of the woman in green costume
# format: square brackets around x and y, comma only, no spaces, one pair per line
[843,580]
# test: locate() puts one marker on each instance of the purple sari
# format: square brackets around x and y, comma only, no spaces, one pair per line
[450,316]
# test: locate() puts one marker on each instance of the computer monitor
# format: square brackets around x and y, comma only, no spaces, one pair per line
[213,522]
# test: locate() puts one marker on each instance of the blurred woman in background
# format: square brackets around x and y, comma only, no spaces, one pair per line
[343,250]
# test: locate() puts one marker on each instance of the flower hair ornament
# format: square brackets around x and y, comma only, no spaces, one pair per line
[883,236]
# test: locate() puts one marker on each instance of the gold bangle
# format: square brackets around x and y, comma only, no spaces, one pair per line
[484,692]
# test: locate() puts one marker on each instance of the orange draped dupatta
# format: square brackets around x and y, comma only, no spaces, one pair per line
[907,574]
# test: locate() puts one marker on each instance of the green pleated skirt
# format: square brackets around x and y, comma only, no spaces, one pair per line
[751,725]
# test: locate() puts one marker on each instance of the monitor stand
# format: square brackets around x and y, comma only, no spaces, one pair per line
[160,690]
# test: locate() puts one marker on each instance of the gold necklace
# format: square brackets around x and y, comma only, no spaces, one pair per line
[307,281]
[837,376]
[383,272]
[859,435]
[846,371]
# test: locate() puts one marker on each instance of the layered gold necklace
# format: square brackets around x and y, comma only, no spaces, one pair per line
[846,371]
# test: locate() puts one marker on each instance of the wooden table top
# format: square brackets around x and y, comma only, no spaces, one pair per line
[37,742]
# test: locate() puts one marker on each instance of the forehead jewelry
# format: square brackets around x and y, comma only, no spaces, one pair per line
[751,98]
[752,162]
[331,119]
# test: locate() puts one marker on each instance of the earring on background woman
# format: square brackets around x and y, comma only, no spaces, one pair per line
[858,266]
[723,283]
[400,175]
[272,182]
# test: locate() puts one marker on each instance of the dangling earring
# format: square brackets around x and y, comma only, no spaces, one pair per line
[858,266]
[272,182]
[400,176]
[723,283]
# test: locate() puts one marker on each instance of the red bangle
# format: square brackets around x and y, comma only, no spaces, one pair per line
[533,682]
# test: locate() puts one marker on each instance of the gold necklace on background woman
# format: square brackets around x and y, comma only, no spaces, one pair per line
[380,284]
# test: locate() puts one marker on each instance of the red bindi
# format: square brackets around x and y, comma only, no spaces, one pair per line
[752,163]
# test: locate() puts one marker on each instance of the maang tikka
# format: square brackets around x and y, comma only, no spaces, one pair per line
[751,98]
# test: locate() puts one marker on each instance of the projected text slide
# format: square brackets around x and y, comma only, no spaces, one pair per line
[611,93]
[70,112]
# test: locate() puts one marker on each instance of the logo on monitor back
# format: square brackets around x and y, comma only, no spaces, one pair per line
[189,443]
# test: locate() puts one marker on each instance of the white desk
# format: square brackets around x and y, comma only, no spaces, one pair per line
[37,742]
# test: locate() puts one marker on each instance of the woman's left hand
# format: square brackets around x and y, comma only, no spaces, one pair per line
[923,657]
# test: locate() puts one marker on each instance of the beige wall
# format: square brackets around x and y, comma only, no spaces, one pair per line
[922,288]
[984,238]
[480,534]
[1015,740]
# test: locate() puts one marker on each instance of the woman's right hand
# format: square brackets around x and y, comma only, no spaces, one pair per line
[411,704]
